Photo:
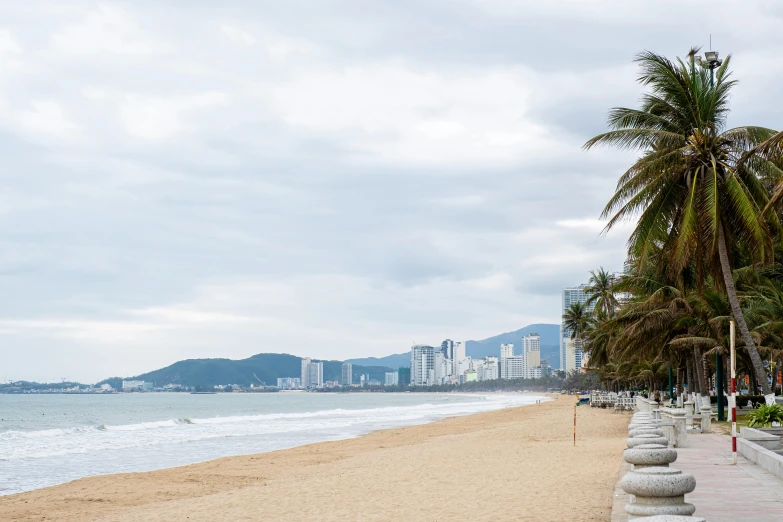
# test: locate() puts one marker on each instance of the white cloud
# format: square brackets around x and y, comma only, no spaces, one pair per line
[401,114]
[155,118]
[105,30]
[47,120]
[237,35]
[8,44]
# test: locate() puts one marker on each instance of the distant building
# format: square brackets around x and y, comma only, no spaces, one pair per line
[447,348]
[316,375]
[531,352]
[347,377]
[404,376]
[289,383]
[422,365]
[373,382]
[570,295]
[514,367]
[392,378]
[506,351]
[471,375]
[459,356]
[306,372]
[571,359]
[106,387]
[132,385]
[489,371]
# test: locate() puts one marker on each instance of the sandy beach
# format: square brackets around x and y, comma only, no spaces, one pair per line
[513,464]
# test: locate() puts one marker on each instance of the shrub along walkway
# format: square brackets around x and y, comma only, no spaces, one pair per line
[724,492]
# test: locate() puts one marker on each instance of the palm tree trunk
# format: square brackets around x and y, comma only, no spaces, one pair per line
[679,380]
[736,311]
[689,373]
[700,377]
[706,372]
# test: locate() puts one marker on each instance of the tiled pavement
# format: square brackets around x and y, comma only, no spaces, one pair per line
[724,492]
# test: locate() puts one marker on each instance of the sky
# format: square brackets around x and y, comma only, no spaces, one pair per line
[332,179]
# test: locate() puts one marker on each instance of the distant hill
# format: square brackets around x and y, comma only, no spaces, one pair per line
[262,368]
[550,347]
[550,342]
[392,361]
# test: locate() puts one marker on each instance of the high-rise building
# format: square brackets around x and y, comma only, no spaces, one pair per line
[531,352]
[422,365]
[315,375]
[459,356]
[306,372]
[513,367]
[489,371]
[573,355]
[447,347]
[572,294]
[347,377]
[506,351]
[404,376]
[392,379]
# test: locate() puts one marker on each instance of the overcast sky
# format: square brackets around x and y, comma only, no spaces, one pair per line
[333,179]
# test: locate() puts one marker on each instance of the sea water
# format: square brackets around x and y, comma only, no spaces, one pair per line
[51,439]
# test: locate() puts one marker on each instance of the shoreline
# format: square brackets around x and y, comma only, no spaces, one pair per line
[511,464]
[178,455]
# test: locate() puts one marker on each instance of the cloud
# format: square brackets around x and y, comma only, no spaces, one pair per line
[237,35]
[101,32]
[47,119]
[222,179]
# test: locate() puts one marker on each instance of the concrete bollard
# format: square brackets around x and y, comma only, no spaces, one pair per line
[674,518]
[646,455]
[646,431]
[658,490]
[646,439]
[680,428]
[706,418]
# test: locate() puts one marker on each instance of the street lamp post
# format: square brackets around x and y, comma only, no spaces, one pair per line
[711,62]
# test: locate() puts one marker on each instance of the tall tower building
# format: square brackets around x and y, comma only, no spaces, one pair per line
[506,352]
[531,352]
[347,376]
[306,372]
[459,356]
[572,294]
[447,347]
[422,365]
[315,374]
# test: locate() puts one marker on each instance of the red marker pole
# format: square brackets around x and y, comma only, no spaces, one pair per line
[733,398]
[575,404]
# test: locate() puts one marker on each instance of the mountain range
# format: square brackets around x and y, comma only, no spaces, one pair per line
[267,367]
[550,347]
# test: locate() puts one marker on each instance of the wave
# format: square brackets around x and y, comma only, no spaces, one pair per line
[20,445]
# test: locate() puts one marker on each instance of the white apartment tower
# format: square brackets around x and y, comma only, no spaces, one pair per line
[422,365]
[347,376]
[306,372]
[572,294]
[459,356]
[506,351]
[531,352]
[316,374]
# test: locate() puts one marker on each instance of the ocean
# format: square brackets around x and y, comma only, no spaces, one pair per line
[51,439]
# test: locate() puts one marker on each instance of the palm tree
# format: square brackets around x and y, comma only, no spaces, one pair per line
[577,318]
[694,188]
[600,291]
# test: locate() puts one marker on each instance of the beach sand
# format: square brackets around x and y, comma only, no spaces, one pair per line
[513,464]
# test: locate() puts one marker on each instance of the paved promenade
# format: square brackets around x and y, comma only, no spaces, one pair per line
[724,493]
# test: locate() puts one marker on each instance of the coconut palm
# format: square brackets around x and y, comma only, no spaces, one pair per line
[600,291]
[577,319]
[695,188]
